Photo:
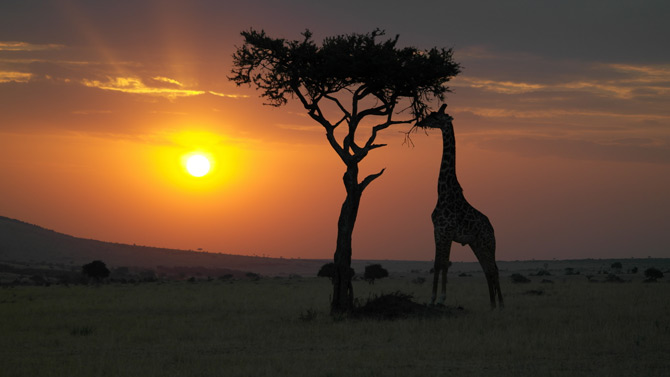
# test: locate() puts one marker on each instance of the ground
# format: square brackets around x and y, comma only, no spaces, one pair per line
[281,327]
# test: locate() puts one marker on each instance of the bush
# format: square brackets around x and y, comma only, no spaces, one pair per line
[518,278]
[419,280]
[653,273]
[226,277]
[571,271]
[327,270]
[253,276]
[612,278]
[96,270]
[395,306]
[374,271]
[617,265]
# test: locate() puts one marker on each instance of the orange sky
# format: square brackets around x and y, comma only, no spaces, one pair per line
[563,140]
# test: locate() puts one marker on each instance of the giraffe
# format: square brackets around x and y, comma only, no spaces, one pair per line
[454,219]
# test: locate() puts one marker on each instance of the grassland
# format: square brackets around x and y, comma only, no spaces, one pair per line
[280,327]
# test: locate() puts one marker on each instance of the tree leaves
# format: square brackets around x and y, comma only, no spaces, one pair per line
[358,63]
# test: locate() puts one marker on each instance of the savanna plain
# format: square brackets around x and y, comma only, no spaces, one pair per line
[282,327]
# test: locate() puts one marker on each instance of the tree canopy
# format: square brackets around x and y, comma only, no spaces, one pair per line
[358,63]
[96,270]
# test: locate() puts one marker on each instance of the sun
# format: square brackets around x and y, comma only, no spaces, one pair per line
[197,165]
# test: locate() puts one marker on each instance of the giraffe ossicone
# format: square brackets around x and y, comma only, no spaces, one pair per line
[455,220]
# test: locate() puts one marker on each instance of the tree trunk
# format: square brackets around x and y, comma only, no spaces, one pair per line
[343,291]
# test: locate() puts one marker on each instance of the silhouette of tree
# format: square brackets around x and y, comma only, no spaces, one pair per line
[327,270]
[96,270]
[374,271]
[653,273]
[363,81]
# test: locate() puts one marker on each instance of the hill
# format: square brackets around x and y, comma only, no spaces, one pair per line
[27,243]
[30,245]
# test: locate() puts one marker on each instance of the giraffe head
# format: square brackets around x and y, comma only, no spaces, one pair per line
[436,119]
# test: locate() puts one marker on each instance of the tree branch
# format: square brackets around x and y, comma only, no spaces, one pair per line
[342,108]
[369,179]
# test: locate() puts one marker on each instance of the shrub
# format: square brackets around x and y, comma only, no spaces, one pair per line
[419,280]
[327,270]
[653,273]
[612,278]
[96,270]
[253,276]
[394,306]
[226,277]
[374,271]
[148,276]
[617,265]
[571,271]
[543,273]
[518,278]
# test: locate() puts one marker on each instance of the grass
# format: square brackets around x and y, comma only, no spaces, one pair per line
[281,327]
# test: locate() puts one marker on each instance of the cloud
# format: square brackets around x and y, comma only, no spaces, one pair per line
[135,85]
[228,95]
[25,46]
[168,80]
[493,112]
[503,87]
[623,150]
[9,76]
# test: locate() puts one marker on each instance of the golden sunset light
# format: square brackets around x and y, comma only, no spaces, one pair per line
[334,188]
[197,165]
[539,118]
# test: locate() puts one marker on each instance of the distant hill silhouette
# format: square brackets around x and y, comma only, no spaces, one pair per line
[24,242]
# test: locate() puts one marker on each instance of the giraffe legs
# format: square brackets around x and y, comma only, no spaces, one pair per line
[486,258]
[442,251]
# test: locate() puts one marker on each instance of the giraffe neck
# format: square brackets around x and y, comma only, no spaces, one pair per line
[447,184]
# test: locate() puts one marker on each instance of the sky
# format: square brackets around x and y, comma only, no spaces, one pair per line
[561,114]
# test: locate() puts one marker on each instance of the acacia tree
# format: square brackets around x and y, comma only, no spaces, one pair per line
[367,83]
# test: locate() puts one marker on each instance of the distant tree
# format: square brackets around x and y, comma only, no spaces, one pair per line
[327,270]
[95,270]
[349,82]
[226,277]
[148,275]
[373,272]
[518,278]
[653,273]
[253,276]
[617,266]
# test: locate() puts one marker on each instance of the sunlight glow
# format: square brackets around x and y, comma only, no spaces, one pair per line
[197,165]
